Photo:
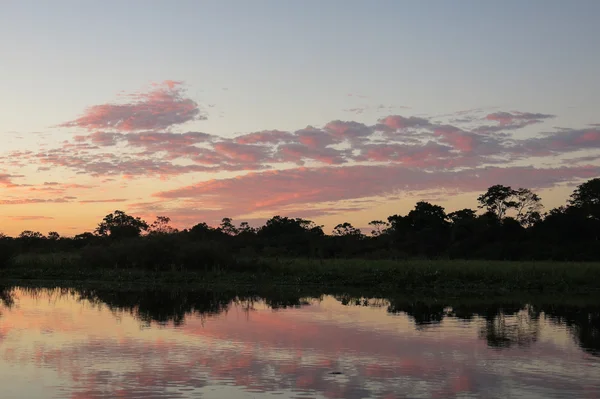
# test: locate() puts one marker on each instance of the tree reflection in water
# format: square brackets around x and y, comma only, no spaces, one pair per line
[503,325]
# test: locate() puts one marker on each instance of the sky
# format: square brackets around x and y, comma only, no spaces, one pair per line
[328,110]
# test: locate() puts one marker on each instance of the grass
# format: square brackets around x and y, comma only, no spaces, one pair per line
[427,277]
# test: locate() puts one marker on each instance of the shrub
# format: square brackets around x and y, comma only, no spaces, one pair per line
[6,252]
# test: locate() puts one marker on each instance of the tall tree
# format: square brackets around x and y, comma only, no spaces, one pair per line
[53,235]
[426,215]
[498,199]
[120,225]
[227,227]
[529,206]
[346,229]
[586,198]
[245,228]
[462,215]
[379,227]
[162,226]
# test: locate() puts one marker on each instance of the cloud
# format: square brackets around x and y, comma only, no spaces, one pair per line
[379,108]
[242,153]
[265,137]
[6,180]
[103,201]
[564,141]
[274,190]
[348,130]
[23,218]
[162,107]
[356,110]
[56,188]
[410,155]
[517,118]
[305,171]
[24,201]
[412,141]
[398,122]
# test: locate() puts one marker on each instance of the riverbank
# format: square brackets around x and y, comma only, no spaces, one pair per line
[436,277]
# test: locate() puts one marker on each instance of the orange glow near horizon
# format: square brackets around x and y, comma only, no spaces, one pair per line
[137,156]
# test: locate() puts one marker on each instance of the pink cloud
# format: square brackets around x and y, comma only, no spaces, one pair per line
[6,180]
[429,154]
[348,130]
[56,188]
[160,108]
[316,138]
[398,122]
[517,118]
[243,153]
[24,201]
[265,137]
[298,153]
[457,138]
[408,141]
[23,218]
[563,141]
[274,190]
[97,201]
[153,139]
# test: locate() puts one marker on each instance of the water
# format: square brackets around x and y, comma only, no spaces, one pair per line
[103,344]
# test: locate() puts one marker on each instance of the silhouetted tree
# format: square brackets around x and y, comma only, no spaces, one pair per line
[346,229]
[161,226]
[379,227]
[511,228]
[462,215]
[227,227]
[245,228]
[586,198]
[528,206]
[119,225]
[31,235]
[498,199]
[53,235]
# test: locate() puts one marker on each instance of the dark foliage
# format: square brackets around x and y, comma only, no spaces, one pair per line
[512,227]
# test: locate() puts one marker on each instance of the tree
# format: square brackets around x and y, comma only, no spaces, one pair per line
[228,228]
[278,226]
[205,232]
[245,228]
[498,199]
[462,215]
[161,226]
[346,230]
[53,235]
[85,236]
[379,227]
[528,206]
[31,235]
[119,225]
[426,216]
[586,198]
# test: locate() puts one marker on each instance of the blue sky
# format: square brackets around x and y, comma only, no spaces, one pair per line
[260,65]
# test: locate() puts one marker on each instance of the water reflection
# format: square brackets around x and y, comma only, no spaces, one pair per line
[83,343]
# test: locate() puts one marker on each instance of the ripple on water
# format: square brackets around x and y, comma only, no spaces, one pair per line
[58,344]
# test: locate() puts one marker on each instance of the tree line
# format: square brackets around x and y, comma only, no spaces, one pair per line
[510,224]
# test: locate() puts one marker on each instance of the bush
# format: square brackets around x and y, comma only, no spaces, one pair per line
[205,255]
[6,252]
[162,253]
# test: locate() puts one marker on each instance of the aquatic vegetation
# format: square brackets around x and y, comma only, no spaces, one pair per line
[442,276]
